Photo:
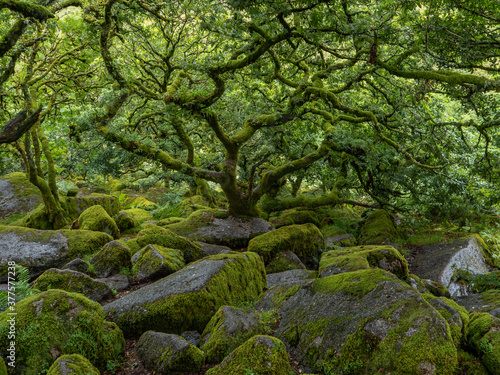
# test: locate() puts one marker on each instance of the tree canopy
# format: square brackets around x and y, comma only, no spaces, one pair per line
[376,103]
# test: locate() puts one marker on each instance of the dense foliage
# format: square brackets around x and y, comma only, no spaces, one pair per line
[279,104]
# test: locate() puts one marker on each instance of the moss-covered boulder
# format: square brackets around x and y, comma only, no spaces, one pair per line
[72,364]
[229,328]
[139,202]
[357,258]
[483,338]
[55,323]
[72,281]
[97,219]
[187,299]
[263,355]
[456,316]
[304,240]
[40,250]
[17,195]
[155,261]
[113,258]
[3,366]
[155,235]
[378,229]
[294,216]
[367,320]
[165,353]
[126,220]
[216,227]
[284,262]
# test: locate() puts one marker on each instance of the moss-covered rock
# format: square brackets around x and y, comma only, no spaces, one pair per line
[483,338]
[55,323]
[155,261]
[229,328]
[263,355]
[155,235]
[40,250]
[126,220]
[378,229]
[284,262]
[456,316]
[97,219]
[113,257]
[304,240]
[368,321]
[187,299]
[17,195]
[170,220]
[70,364]
[217,227]
[363,257]
[72,281]
[428,286]
[78,265]
[139,214]
[165,353]
[294,216]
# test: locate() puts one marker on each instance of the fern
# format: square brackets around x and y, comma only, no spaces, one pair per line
[22,288]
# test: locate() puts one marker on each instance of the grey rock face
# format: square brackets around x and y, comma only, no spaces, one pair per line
[169,354]
[77,265]
[438,262]
[291,276]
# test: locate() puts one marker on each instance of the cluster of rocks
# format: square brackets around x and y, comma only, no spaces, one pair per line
[352,309]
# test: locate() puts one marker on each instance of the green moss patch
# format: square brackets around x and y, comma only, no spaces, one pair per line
[304,240]
[363,257]
[97,219]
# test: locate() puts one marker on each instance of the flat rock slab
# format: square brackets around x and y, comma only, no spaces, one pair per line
[438,262]
[291,276]
[187,299]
